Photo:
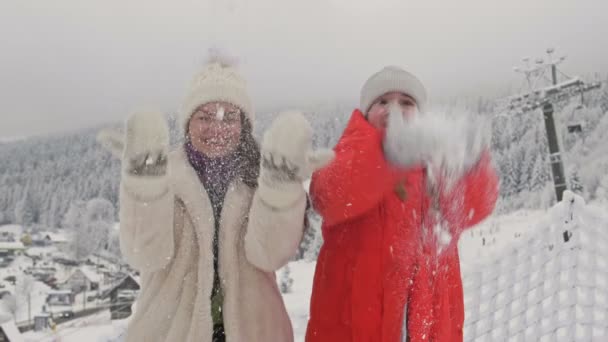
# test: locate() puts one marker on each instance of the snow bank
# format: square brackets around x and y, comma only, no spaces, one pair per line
[552,286]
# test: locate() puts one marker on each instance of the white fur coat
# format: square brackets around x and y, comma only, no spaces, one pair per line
[166,232]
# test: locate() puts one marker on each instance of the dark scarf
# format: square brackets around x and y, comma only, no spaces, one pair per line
[215,174]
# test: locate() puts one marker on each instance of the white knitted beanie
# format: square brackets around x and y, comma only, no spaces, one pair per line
[389,79]
[217,82]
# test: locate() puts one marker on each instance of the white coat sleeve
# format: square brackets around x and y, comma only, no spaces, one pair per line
[274,234]
[146,221]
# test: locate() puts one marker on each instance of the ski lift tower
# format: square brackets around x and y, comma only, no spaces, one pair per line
[545,98]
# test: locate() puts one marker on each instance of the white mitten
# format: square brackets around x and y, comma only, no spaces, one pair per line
[448,144]
[146,144]
[288,160]
[463,139]
[144,150]
[112,140]
[410,142]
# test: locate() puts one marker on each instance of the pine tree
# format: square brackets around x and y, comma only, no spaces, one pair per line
[74,217]
[54,214]
[574,181]
[540,174]
[25,213]
[286,280]
[308,236]
[93,234]
[314,222]
[26,239]
[23,290]
[113,247]
[601,194]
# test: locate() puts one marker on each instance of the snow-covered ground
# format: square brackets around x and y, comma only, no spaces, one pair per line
[95,328]
[478,247]
[298,300]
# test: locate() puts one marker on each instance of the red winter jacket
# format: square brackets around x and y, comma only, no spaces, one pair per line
[373,261]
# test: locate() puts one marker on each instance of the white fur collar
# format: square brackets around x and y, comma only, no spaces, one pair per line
[190,190]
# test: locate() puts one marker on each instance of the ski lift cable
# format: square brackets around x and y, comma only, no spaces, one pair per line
[546,78]
[563,74]
[522,86]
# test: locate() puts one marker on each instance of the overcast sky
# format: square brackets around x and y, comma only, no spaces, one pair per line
[66,64]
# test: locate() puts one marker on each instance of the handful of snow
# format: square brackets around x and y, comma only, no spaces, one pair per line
[449,143]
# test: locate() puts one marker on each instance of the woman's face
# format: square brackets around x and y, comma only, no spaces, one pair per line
[378,112]
[215,128]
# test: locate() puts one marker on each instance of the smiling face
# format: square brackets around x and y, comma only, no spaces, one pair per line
[377,114]
[214,128]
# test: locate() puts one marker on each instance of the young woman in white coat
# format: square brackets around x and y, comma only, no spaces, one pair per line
[209,223]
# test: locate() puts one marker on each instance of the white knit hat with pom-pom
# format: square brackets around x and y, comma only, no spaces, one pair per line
[218,81]
[392,78]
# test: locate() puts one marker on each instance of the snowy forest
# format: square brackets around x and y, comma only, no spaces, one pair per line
[42,178]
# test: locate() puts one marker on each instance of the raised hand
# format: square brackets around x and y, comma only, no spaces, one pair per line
[288,158]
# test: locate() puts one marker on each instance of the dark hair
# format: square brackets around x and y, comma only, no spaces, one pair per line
[249,154]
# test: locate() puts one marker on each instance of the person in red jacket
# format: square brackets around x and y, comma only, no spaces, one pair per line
[388,270]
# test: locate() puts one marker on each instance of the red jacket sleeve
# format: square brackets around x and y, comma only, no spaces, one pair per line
[473,198]
[357,179]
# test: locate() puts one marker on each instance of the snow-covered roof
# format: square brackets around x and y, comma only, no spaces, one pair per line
[7,236]
[59,292]
[553,286]
[11,332]
[87,272]
[11,228]
[37,236]
[52,236]
[16,245]
[58,238]
[91,274]
[117,284]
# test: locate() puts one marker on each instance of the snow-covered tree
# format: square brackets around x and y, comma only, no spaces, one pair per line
[601,194]
[99,209]
[74,217]
[113,247]
[56,170]
[26,239]
[23,290]
[575,183]
[314,228]
[92,234]
[540,174]
[286,280]
[50,215]
[25,213]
